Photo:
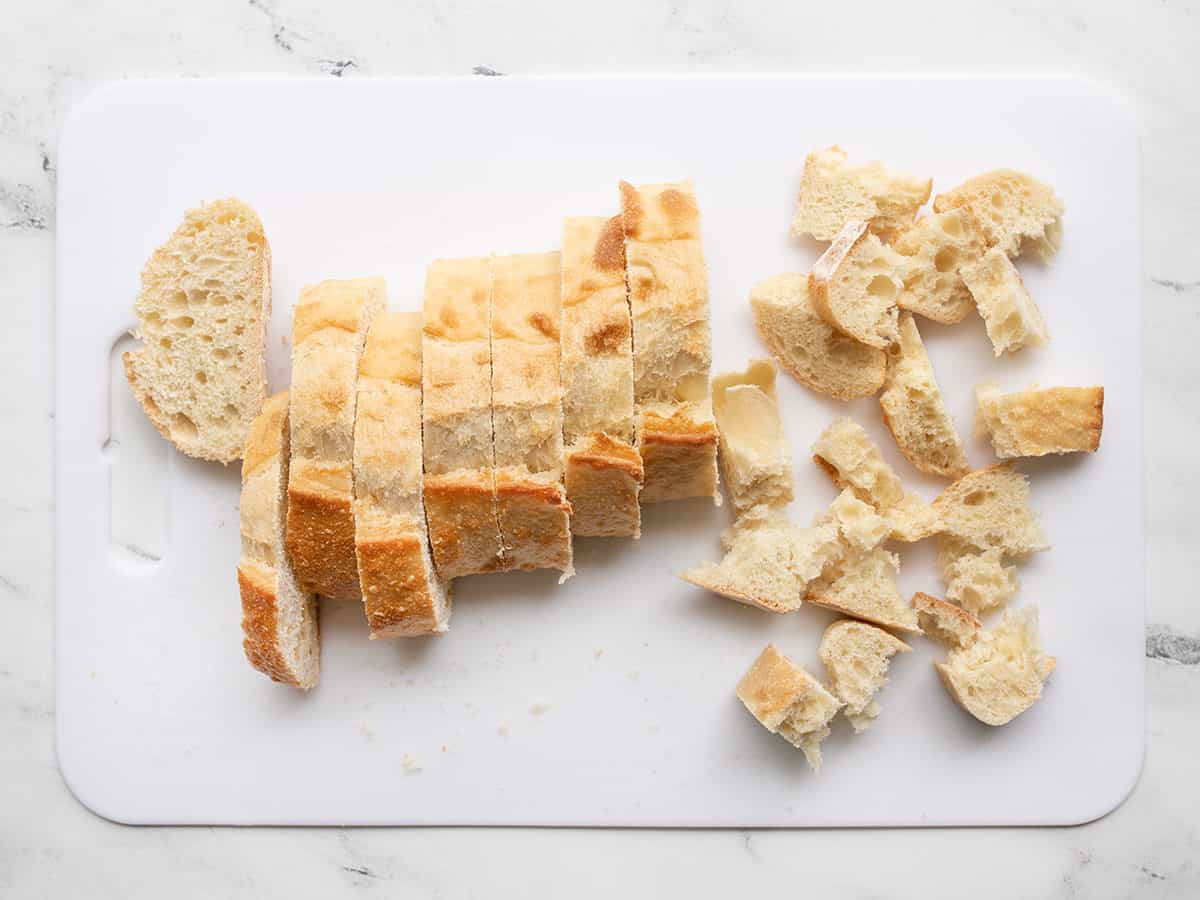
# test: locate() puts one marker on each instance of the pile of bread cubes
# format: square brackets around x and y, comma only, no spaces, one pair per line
[540,397]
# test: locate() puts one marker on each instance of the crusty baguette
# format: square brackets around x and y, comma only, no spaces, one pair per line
[603,469]
[1040,420]
[989,509]
[863,585]
[913,409]
[402,594]
[456,419]
[814,353]
[855,283]
[788,701]
[856,656]
[951,626]
[201,372]
[1011,316]
[329,328]
[755,457]
[672,344]
[834,192]
[1014,211]
[279,620]
[531,501]
[977,580]
[937,246]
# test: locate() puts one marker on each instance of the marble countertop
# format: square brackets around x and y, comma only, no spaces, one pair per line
[51,53]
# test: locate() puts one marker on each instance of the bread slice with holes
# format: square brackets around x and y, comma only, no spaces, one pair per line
[951,626]
[1001,673]
[834,191]
[203,308]
[1011,316]
[817,355]
[856,656]
[1014,211]
[914,411]
[863,585]
[754,453]
[788,701]
[855,283]
[329,329]
[282,636]
[979,581]
[603,469]
[402,595]
[989,509]
[1040,421]
[936,247]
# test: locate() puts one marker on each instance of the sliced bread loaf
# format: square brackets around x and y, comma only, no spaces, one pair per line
[1012,319]
[1040,420]
[937,246]
[855,284]
[1014,211]
[754,453]
[856,656]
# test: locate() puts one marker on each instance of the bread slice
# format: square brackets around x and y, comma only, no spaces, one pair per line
[603,469]
[818,356]
[402,594]
[913,409]
[989,509]
[855,284]
[788,701]
[936,247]
[863,585]
[755,457]
[1040,421]
[531,500]
[834,192]
[1012,319]
[849,457]
[201,371]
[456,418]
[1000,674]
[951,626]
[977,580]
[279,619]
[329,328]
[856,656]
[672,347]
[1015,212]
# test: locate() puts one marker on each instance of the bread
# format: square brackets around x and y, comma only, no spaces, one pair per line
[1012,319]
[913,409]
[201,372]
[402,594]
[815,354]
[531,501]
[1040,421]
[789,702]
[456,419]
[603,469]
[849,457]
[834,192]
[854,285]
[856,656]
[936,246]
[755,458]
[1014,211]
[989,509]
[672,347]
[951,626]
[1000,674]
[279,619]
[860,526]
[330,325]
[977,580]
[863,585]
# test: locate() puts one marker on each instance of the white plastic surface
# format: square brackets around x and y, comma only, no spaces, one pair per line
[607,700]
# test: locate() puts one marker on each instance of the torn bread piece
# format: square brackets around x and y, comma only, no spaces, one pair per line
[672,344]
[856,656]
[329,328]
[861,527]
[531,500]
[855,283]
[603,469]
[1015,212]
[456,418]
[1000,674]
[936,247]
[977,580]
[1012,319]
[834,192]
[279,619]
[402,594]
[817,355]
[913,409]
[951,626]
[989,509]
[754,453]
[1040,421]
[789,702]
[863,585]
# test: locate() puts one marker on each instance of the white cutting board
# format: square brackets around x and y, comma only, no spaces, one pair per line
[607,700]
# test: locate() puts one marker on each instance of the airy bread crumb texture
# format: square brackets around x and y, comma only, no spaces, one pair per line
[977,580]
[989,509]
[1040,421]
[1014,211]
[1012,318]
[863,585]
[951,626]
[754,453]
[200,373]
[855,284]
[937,247]
[856,656]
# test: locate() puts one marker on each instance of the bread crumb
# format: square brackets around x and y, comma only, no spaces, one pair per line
[410,764]
[502,730]
[539,708]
